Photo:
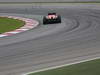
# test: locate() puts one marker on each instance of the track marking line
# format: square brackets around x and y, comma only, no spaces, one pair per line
[55,67]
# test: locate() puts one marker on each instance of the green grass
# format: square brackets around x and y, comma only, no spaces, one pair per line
[9,24]
[86,68]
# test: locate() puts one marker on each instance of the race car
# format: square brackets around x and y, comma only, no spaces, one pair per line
[51,18]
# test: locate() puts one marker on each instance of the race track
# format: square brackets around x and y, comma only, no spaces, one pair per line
[77,38]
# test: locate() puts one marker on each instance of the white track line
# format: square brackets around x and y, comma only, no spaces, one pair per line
[29,24]
[55,67]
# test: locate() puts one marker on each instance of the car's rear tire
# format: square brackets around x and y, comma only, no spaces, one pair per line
[59,19]
[44,21]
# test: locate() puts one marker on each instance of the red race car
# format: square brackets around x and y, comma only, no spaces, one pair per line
[51,18]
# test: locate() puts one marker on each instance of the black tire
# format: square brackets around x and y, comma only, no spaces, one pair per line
[44,21]
[59,19]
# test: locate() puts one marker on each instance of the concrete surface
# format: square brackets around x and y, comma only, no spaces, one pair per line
[47,0]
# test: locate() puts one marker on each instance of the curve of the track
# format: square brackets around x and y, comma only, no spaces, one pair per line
[77,38]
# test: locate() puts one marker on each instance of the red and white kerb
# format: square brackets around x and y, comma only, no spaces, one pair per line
[29,24]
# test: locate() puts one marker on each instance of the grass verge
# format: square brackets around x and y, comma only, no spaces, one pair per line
[85,68]
[9,24]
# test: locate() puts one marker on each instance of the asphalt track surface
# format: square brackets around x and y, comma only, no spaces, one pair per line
[76,38]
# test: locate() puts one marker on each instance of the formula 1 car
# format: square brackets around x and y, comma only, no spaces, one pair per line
[51,18]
